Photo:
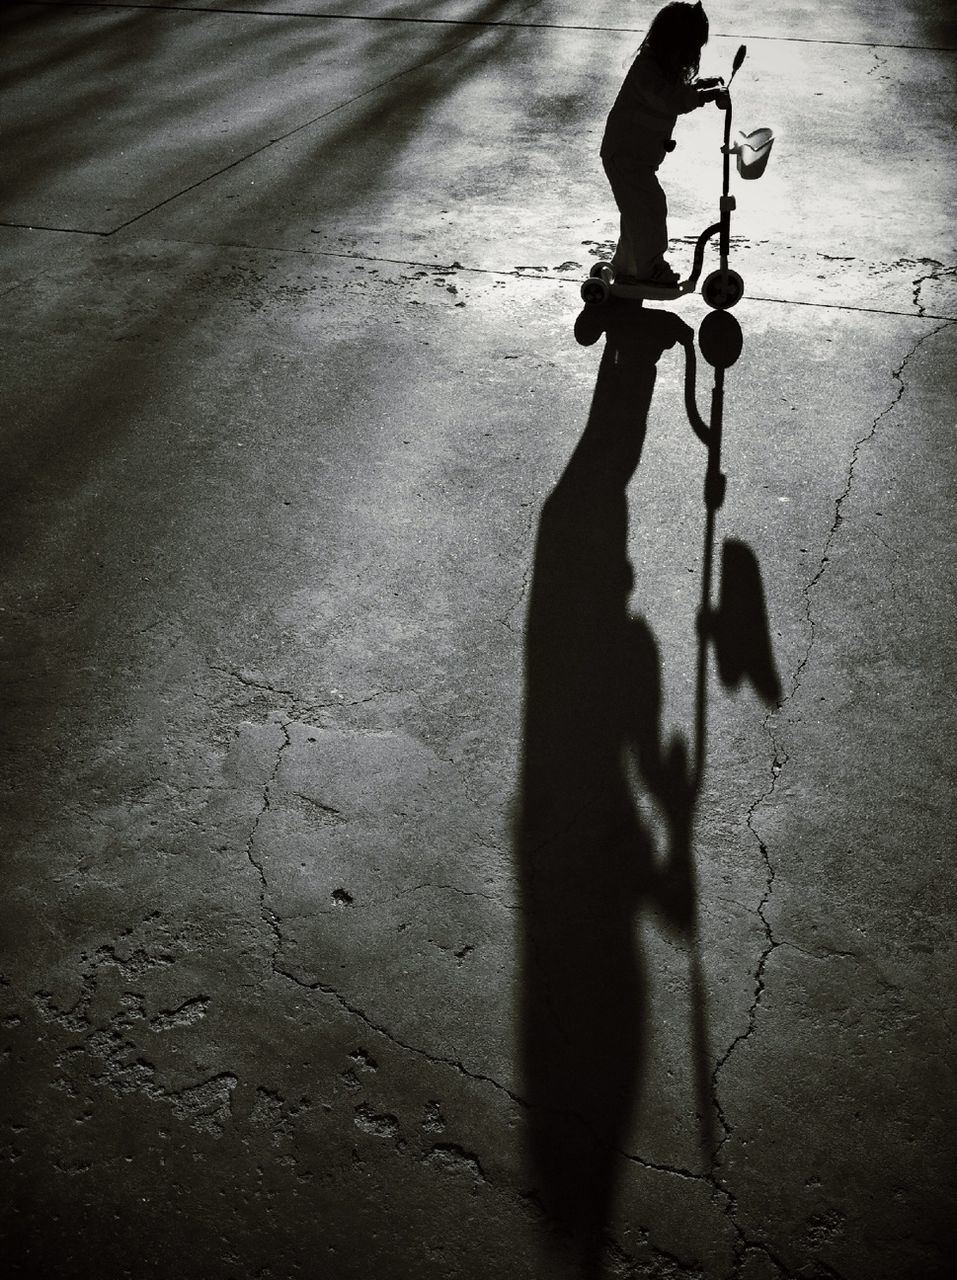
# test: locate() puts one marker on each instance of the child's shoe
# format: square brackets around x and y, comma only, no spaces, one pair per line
[662,276]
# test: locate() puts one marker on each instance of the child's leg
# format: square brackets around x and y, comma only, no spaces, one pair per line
[649,232]
[644,218]
[624,261]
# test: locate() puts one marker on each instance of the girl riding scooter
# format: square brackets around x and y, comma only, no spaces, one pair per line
[660,85]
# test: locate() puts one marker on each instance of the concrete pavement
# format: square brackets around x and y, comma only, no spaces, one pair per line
[390,888]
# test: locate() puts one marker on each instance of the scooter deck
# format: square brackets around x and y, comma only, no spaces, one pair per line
[601,285]
[651,292]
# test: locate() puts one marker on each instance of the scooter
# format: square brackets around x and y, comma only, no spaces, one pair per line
[722,288]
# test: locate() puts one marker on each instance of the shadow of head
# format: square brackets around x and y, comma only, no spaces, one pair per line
[644,333]
[740,628]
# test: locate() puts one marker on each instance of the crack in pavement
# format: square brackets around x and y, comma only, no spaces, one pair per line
[291,702]
[939,270]
[266,913]
[275,928]
[523,540]
[743,1246]
[779,761]
[842,499]
[274,924]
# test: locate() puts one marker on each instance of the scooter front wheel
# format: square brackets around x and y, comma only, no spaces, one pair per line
[723,289]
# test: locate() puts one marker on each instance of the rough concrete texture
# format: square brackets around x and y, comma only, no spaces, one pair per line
[405,875]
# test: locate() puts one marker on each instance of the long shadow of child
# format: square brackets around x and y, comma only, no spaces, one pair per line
[588,867]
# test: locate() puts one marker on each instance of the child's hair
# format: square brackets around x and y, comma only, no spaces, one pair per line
[676,37]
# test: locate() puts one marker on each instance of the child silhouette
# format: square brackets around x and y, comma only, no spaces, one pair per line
[661,84]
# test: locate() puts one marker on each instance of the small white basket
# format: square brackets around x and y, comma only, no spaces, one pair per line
[752,151]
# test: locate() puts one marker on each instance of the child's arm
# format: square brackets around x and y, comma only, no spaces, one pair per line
[649,88]
[691,96]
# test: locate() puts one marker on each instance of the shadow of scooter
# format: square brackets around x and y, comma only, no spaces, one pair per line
[734,627]
[737,628]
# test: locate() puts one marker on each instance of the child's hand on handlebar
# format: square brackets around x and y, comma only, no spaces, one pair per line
[711,89]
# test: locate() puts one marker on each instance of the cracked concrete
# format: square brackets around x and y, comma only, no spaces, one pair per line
[780,756]
[391,889]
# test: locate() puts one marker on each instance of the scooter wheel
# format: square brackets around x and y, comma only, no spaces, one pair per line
[723,289]
[598,269]
[594,291]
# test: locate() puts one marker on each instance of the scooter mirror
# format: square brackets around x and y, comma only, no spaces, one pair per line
[738,59]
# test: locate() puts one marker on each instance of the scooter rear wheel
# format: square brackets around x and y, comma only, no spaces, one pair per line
[723,289]
[594,291]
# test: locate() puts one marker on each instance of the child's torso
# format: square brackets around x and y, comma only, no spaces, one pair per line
[644,113]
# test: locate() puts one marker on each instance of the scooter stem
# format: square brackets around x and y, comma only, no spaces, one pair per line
[727,203]
[722,228]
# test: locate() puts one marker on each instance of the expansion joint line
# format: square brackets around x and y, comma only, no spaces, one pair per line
[184,6]
[434,57]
